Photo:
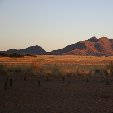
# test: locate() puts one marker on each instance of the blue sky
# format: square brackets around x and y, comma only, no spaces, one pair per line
[53,24]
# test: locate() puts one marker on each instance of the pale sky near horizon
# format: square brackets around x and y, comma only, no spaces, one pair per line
[53,24]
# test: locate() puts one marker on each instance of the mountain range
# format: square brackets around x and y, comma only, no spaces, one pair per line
[91,47]
[35,50]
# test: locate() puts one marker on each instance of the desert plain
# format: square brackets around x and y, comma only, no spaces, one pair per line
[56,84]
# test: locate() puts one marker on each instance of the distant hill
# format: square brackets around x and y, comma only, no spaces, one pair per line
[92,46]
[36,50]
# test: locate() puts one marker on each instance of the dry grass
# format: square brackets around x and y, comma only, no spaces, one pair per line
[84,86]
[47,59]
[64,64]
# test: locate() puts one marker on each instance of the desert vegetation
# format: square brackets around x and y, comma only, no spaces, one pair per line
[60,84]
[56,65]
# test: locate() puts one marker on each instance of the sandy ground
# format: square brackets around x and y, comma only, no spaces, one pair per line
[56,96]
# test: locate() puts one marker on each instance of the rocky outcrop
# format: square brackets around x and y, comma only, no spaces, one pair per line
[92,46]
[37,50]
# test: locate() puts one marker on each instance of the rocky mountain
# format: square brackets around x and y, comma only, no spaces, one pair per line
[92,46]
[36,50]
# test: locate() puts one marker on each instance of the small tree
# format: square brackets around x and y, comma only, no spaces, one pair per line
[108,75]
[56,70]
[2,69]
[87,75]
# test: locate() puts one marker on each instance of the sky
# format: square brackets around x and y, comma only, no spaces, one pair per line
[53,24]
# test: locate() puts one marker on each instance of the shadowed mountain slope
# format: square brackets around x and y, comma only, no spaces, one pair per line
[30,50]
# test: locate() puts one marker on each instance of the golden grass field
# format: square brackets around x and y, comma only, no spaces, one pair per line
[49,64]
[47,59]
[53,84]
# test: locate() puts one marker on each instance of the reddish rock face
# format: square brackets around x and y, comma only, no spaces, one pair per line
[92,46]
